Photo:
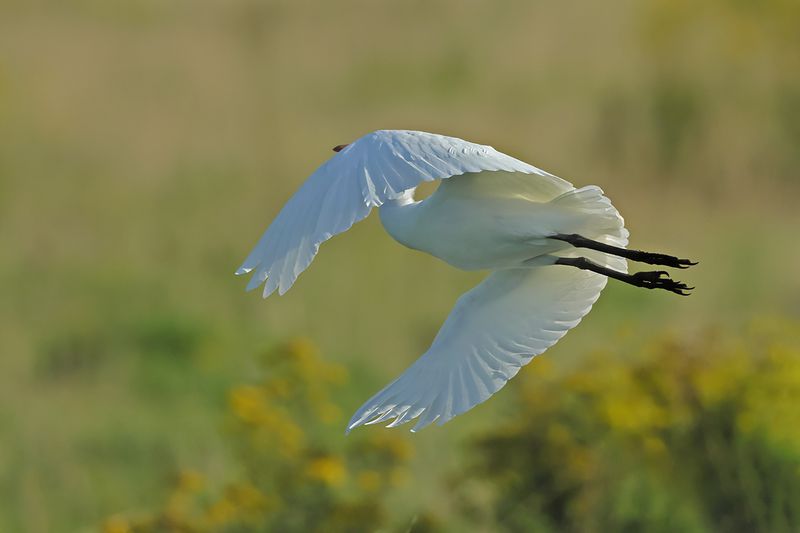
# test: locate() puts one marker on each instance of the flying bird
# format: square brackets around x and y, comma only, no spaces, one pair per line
[551,248]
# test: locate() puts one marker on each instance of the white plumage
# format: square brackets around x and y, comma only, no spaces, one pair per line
[493,212]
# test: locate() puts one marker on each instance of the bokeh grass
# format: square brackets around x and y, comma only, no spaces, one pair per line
[145,146]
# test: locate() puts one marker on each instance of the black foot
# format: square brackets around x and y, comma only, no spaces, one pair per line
[659,280]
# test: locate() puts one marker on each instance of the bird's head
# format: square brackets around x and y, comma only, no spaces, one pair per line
[340,147]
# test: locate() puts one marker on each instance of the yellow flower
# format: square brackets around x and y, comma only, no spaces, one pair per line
[654,446]
[369,480]
[302,350]
[190,481]
[116,524]
[305,366]
[278,387]
[634,413]
[247,496]
[221,512]
[327,469]
[542,367]
[398,448]
[290,436]
[247,403]
[582,382]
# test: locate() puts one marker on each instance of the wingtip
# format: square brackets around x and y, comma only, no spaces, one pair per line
[353,424]
[242,270]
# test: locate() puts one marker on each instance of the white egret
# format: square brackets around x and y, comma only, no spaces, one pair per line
[551,248]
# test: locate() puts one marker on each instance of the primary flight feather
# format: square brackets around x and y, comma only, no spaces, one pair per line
[551,248]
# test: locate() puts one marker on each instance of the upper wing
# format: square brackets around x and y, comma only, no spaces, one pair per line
[371,170]
[494,329]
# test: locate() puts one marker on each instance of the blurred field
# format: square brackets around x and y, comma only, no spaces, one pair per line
[144,146]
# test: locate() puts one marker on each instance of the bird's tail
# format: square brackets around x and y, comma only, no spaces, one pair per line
[602,222]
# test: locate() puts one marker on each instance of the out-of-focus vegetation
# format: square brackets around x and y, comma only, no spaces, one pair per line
[295,477]
[697,435]
[680,435]
[145,145]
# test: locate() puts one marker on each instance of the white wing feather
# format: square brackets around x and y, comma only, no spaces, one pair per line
[493,330]
[499,326]
[371,170]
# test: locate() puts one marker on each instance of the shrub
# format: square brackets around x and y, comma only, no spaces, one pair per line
[294,476]
[685,436]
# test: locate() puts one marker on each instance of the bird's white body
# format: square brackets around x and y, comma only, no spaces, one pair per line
[471,231]
[493,213]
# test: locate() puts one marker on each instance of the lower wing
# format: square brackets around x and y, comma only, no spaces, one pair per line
[494,329]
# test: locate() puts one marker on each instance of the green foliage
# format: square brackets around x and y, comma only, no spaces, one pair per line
[168,336]
[294,476]
[72,354]
[699,435]
[696,435]
[675,114]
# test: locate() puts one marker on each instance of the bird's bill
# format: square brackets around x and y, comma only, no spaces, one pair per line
[340,147]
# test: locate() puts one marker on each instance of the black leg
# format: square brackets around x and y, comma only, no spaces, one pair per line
[650,258]
[647,280]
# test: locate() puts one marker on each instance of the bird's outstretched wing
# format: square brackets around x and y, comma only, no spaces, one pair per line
[503,323]
[493,330]
[365,174]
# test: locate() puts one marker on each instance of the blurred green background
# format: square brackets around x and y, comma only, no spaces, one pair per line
[144,147]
